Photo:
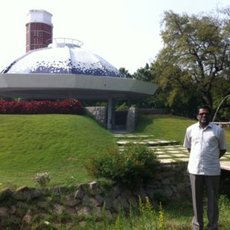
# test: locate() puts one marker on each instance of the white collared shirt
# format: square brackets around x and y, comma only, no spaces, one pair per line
[205,144]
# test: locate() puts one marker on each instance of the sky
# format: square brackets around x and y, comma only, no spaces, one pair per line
[126,33]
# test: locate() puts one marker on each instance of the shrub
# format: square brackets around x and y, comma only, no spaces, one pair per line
[133,167]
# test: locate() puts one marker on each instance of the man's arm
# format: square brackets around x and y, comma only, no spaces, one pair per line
[222,143]
[187,141]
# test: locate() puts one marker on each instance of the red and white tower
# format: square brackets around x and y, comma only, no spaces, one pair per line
[39,29]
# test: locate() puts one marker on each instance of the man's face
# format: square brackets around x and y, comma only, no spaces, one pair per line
[203,117]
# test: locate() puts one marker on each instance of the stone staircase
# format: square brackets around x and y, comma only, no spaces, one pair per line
[167,151]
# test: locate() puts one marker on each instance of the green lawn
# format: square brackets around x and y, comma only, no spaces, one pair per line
[62,144]
[58,144]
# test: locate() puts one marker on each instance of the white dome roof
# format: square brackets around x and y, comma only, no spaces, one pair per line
[64,56]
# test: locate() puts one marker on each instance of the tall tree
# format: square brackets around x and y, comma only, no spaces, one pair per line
[195,56]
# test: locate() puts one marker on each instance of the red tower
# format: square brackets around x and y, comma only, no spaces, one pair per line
[39,29]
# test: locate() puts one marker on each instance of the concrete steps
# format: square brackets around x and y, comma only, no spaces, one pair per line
[147,142]
[167,151]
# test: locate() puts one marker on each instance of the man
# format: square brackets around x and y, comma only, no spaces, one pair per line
[205,142]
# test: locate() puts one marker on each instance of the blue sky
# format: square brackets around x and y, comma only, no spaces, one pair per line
[126,33]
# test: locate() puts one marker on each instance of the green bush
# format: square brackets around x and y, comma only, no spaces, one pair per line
[133,167]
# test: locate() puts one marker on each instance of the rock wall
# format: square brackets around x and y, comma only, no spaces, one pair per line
[25,205]
[98,113]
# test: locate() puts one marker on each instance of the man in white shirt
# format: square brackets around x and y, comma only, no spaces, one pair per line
[206,144]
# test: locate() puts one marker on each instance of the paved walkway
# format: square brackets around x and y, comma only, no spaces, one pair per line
[167,151]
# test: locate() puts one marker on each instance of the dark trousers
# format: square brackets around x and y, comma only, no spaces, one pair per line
[198,184]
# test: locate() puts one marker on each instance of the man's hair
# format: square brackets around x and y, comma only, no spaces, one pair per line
[203,107]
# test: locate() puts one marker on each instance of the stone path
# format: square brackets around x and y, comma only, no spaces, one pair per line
[167,151]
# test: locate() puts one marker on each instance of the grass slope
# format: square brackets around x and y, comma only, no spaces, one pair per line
[168,127]
[58,144]
[165,127]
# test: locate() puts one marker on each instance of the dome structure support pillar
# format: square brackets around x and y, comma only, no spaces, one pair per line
[110,113]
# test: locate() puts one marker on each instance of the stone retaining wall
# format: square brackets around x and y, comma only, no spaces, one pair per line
[23,206]
[98,113]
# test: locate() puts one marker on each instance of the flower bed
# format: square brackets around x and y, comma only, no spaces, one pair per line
[66,106]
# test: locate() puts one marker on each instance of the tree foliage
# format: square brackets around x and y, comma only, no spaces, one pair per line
[124,73]
[143,74]
[194,65]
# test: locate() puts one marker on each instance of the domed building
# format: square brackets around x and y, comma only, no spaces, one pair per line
[63,69]
[63,56]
